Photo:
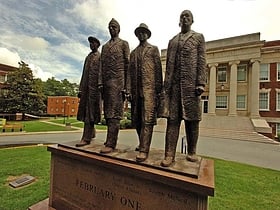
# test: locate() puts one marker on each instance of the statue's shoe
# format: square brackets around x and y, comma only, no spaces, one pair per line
[82,143]
[192,158]
[168,161]
[106,150]
[142,156]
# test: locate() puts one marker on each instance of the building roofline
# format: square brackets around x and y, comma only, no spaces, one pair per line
[4,67]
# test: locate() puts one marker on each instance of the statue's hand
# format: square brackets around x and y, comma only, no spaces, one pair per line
[128,96]
[199,90]
[123,94]
[101,89]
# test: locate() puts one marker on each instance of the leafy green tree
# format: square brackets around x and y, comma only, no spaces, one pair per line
[53,87]
[71,89]
[23,93]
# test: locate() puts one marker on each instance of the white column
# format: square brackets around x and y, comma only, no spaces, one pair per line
[212,88]
[233,88]
[255,89]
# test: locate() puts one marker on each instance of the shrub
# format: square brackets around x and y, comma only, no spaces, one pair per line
[125,123]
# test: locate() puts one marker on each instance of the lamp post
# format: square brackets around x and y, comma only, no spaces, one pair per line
[64,110]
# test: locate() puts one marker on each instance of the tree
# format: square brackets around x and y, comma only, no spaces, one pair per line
[23,93]
[53,87]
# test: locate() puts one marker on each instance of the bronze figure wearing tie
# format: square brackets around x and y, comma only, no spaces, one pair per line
[184,82]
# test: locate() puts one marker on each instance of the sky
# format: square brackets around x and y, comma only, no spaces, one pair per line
[51,35]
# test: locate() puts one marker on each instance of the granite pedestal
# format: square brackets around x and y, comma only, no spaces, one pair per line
[82,178]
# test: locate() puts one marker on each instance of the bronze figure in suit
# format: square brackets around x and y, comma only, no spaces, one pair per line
[144,85]
[89,110]
[184,82]
[114,65]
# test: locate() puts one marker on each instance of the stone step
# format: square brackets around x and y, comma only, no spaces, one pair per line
[236,135]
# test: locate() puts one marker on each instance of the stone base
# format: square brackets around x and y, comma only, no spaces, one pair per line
[82,178]
[43,205]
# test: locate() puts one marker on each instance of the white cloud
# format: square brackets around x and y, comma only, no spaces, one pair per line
[32,43]
[56,43]
[73,50]
[24,42]
[93,12]
[39,73]
[8,57]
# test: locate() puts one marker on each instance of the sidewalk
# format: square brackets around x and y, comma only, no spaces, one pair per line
[245,134]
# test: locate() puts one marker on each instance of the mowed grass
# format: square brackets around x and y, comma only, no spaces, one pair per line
[15,162]
[51,125]
[76,123]
[237,186]
[38,126]
[241,186]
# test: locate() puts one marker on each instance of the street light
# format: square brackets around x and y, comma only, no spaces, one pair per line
[64,110]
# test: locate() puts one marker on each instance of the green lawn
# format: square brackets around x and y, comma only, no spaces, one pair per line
[38,126]
[76,123]
[241,186]
[14,162]
[44,126]
[237,186]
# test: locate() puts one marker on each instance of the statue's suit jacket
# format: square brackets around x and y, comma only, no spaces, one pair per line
[89,109]
[145,82]
[114,66]
[185,70]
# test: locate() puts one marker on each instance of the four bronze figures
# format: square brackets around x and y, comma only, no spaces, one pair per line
[116,75]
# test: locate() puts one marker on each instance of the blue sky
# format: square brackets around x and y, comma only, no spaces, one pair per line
[51,35]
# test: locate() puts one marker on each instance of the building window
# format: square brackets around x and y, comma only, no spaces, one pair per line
[264,101]
[2,78]
[242,73]
[278,130]
[241,102]
[278,71]
[221,102]
[277,99]
[264,72]
[222,74]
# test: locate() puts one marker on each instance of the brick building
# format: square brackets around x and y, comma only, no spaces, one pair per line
[63,105]
[4,70]
[269,98]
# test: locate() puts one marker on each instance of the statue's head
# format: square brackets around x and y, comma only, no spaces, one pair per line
[92,39]
[143,28]
[186,15]
[114,27]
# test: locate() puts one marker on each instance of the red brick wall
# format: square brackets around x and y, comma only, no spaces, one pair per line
[63,105]
[273,84]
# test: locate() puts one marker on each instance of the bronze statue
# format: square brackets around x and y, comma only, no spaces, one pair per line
[114,65]
[144,85]
[184,82]
[89,107]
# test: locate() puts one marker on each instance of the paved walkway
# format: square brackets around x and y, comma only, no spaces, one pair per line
[234,145]
[224,128]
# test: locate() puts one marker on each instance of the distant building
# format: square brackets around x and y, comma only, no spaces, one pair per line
[243,78]
[4,70]
[62,105]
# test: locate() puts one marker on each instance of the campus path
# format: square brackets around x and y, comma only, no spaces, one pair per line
[261,154]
